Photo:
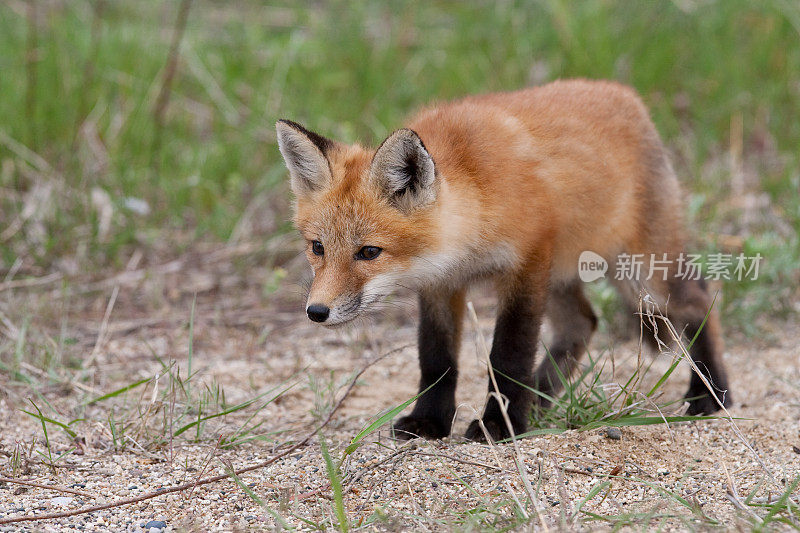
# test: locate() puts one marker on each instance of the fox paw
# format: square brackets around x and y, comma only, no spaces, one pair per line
[704,404]
[475,432]
[413,426]
[495,427]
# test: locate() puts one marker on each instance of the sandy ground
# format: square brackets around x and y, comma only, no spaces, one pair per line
[249,342]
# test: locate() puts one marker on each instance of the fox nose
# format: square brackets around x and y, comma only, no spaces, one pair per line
[318,312]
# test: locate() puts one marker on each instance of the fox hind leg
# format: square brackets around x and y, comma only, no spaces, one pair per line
[688,304]
[573,321]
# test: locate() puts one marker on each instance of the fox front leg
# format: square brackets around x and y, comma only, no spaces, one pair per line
[516,335]
[439,337]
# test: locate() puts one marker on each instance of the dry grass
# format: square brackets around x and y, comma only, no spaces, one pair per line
[685,475]
[149,294]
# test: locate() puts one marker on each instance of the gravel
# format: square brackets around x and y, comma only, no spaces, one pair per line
[405,485]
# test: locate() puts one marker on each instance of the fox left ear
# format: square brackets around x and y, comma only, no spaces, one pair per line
[405,171]
[305,153]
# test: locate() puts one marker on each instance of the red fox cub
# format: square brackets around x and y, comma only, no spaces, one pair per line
[512,187]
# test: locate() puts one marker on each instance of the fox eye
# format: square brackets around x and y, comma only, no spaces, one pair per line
[317,248]
[367,253]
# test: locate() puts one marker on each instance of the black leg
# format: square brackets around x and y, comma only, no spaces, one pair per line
[516,335]
[573,322]
[706,355]
[439,339]
[688,305]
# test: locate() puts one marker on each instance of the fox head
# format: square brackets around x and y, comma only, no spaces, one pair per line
[366,216]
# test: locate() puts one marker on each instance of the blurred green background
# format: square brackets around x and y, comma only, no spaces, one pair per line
[106,148]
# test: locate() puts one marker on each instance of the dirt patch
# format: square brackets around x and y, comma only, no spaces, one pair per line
[687,475]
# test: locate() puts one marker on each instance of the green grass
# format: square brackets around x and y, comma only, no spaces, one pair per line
[335,477]
[150,413]
[47,456]
[782,509]
[589,402]
[764,513]
[80,143]
[253,496]
[153,412]
[88,173]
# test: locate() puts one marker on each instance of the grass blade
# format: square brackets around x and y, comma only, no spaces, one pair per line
[336,484]
[384,418]
[42,418]
[117,392]
[253,496]
[237,407]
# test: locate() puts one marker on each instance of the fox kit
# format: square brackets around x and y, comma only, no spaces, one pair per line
[512,187]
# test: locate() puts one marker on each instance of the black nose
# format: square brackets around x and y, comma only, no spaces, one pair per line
[318,312]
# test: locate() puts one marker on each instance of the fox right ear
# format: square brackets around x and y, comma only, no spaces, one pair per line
[404,169]
[304,154]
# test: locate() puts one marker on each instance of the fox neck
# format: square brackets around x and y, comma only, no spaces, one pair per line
[466,247]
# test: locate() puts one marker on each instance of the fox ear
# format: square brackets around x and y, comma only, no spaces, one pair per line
[304,153]
[404,169]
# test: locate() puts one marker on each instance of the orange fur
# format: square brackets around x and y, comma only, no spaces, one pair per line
[546,172]
[510,186]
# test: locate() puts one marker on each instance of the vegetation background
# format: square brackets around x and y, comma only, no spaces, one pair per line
[115,135]
[140,183]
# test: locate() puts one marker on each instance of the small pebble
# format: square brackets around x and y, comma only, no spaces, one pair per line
[61,500]
[155,526]
[613,433]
